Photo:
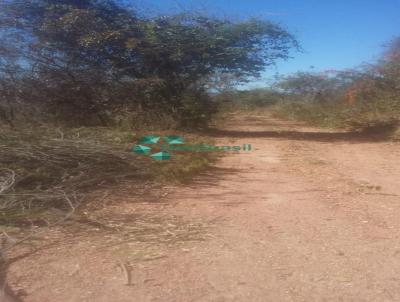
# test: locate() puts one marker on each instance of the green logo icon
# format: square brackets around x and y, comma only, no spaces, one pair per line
[174,140]
[150,139]
[159,148]
[161,156]
[141,147]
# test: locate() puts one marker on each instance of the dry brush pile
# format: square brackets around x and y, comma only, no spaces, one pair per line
[39,172]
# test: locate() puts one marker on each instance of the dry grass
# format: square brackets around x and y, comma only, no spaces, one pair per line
[45,169]
[379,117]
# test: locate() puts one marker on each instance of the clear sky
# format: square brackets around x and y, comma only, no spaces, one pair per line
[335,34]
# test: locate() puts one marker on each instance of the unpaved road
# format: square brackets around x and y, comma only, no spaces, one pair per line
[308,215]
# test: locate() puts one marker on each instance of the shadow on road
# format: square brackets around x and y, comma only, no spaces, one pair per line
[351,137]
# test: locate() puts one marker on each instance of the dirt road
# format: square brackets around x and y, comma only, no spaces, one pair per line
[307,215]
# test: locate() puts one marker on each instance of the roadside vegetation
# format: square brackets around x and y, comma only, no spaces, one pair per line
[44,170]
[364,100]
[367,99]
[82,81]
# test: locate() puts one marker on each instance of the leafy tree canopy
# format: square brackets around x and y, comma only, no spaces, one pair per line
[93,56]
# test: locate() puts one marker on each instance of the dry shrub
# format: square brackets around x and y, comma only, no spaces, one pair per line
[39,171]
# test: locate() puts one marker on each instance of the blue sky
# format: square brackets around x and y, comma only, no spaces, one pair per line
[335,34]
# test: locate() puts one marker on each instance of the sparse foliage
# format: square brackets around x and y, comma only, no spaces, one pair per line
[366,99]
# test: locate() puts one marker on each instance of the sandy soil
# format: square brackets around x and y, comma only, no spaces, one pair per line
[307,215]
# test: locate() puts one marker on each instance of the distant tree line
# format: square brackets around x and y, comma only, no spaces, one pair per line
[366,97]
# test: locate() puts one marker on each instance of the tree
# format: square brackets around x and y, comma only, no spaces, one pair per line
[93,57]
